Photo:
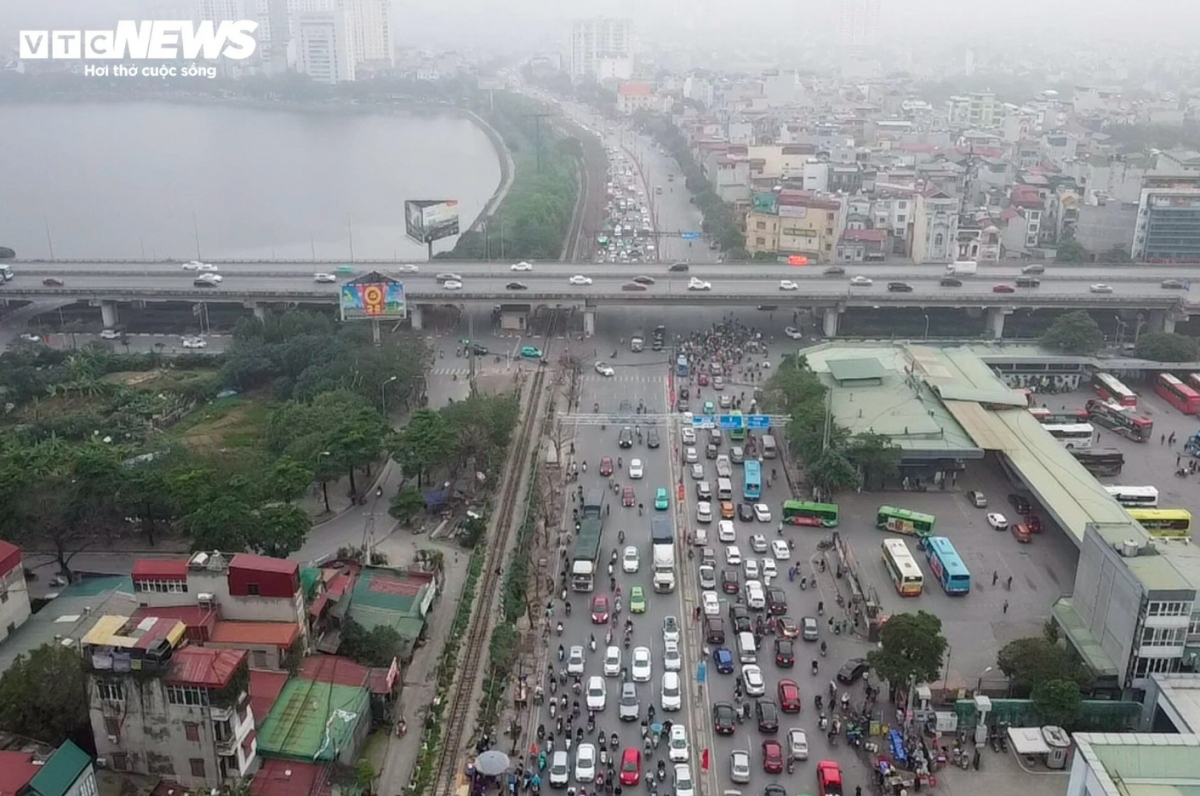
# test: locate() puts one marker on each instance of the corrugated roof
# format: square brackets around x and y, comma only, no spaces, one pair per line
[265,687]
[206,667]
[1146,764]
[333,669]
[276,634]
[191,615]
[16,770]
[10,557]
[123,632]
[856,369]
[313,721]
[259,563]
[381,588]
[160,568]
[291,778]
[61,771]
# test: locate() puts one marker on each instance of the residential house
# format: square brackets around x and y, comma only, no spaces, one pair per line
[863,245]
[935,227]
[14,596]
[795,223]
[30,768]
[634,97]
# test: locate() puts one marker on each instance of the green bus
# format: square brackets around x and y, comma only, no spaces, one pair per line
[913,523]
[738,432]
[806,512]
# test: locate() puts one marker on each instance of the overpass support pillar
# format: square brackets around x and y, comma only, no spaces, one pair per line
[995,318]
[829,322]
[260,311]
[108,313]
[1161,321]
[417,316]
[589,321]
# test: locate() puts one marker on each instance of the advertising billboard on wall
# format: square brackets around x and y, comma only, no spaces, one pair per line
[373,299]
[427,220]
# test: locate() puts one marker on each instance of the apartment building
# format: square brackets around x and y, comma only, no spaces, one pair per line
[370,27]
[1168,215]
[14,597]
[322,45]
[794,223]
[935,227]
[601,49]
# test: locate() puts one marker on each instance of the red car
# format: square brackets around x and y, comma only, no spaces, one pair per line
[702,379]
[52,282]
[1004,289]
[627,497]
[606,467]
[631,766]
[789,696]
[599,610]
[772,756]
[1034,522]
[829,778]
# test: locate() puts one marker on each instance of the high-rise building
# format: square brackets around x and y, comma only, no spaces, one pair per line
[322,45]
[218,11]
[858,23]
[371,31]
[602,49]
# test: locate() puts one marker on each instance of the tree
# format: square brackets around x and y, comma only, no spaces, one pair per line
[43,694]
[876,456]
[1116,254]
[406,504]
[832,472]
[426,442]
[1057,702]
[1074,333]
[1071,252]
[375,647]
[1168,347]
[278,531]
[911,650]
[1029,662]
[483,426]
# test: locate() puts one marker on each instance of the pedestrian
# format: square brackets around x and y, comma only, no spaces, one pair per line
[1008,583]
[1006,606]
[1171,439]
[995,577]
[858,790]
[1162,439]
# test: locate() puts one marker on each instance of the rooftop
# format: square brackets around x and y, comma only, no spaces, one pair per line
[264,564]
[204,666]
[125,633]
[160,568]
[635,89]
[389,597]
[312,721]
[16,770]
[1180,699]
[61,771]
[1141,764]
[291,778]
[265,687]
[865,235]
[10,556]
[265,634]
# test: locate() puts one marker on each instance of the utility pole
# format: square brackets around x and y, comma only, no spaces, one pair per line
[537,135]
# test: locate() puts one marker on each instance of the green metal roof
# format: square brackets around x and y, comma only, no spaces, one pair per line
[312,721]
[1143,764]
[391,591]
[856,369]
[61,771]
[309,578]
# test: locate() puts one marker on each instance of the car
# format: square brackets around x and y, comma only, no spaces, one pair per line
[630,560]
[726,532]
[635,468]
[579,279]
[1021,532]
[730,581]
[1020,504]
[192,265]
[600,610]
[718,384]
[899,287]
[781,550]
[797,744]
[766,713]
[861,281]
[682,777]
[678,268]
[644,280]
[640,665]
[793,333]
[585,764]
[1101,288]
[739,617]
[198,282]
[769,570]
[691,456]
[625,438]
[772,752]
[606,465]
[628,707]
[631,766]
[724,716]
[829,778]
[1035,268]
[652,438]
[324,278]
[575,660]
[702,379]
[661,501]
[612,661]
[516,286]
[605,369]
[707,575]
[786,627]
[672,659]
[745,513]
[789,696]
[762,512]
[687,434]
[26,337]
[560,769]
[1004,289]
[703,511]
[671,692]
[1172,284]
[852,670]
[670,630]
[449,277]
[787,284]
[531,352]
[697,471]
[733,556]
[479,350]
[627,497]
[810,628]
[776,600]
[409,268]
[998,521]
[752,680]
[633,287]
[521,266]
[194,342]
[698,284]
[977,499]
[597,693]
[750,569]
[452,285]
[109,334]
[758,542]
[834,270]
[727,510]
[949,281]
[678,750]
[739,766]
[637,600]
[723,660]
[785,653]
[710,604]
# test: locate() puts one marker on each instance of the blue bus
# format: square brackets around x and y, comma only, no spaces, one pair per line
[681,365]
[947,567]
[752,483]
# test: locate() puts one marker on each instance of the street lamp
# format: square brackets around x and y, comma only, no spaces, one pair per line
[324,482]
[979,685]
[926,327]
[1120,325]
[383,393]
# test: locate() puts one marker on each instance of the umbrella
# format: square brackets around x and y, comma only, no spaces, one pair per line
[492,763]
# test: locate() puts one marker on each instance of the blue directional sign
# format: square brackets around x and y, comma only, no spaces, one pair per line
[701,672]
[759,422]
[690,235]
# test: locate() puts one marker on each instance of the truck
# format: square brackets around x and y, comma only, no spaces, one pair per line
[637,343]
[662,539]
[962,268]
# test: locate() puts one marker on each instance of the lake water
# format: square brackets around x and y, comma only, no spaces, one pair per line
[148,179]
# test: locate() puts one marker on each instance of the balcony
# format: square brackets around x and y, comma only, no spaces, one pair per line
[227,747]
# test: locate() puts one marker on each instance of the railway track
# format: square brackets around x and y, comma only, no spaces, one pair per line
[579,217]
[479,630]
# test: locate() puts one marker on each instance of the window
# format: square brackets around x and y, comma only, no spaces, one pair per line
[252,589]
[760,241]
[111,690]
[829,217]
[258,659]
[192,730]
[120,761]
[1148,666]
[161,586]
[828,230]
[760,225]
[197,764]
[187,695]
[937,239]
[112,727]
[1194,625]
[1164,636]
[1169,609]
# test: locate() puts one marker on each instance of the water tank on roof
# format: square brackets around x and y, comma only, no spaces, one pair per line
[1129,548]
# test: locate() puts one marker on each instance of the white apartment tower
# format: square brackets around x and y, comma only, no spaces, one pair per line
[218,11]
[602,49]
[371,32]
[858,23]
[322,46]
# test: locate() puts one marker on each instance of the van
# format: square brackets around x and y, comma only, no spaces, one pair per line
[724,489]
[756,597]
[1028,281]
[747,650]
[769,450]
[714,630]
[703,490]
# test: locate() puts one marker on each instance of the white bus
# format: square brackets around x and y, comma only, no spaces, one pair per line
[1073,436]
[902,567]
[1135,497]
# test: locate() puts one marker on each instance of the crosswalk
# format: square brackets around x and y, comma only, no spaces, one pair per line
[625,378]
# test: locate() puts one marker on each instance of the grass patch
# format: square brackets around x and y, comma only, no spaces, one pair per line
[227,423]
[158,379]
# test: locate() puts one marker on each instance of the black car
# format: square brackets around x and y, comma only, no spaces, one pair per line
[204,283]
[678,268]
[479,350]
[517,286]
[785,653]
[776,601]
[739,616]
[644,280]
[1036,268]
[949,281]
[625,438]
[682,405]
[1020,504]
[834,270]
[852,670]
[767,713]
[724,718]
[899,287]
[774,790]
[729,581]
[745,512]
[652,440]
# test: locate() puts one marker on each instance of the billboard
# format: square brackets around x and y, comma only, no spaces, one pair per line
[373,300]
[427,220]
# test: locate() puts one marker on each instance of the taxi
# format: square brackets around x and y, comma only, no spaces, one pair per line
[531,352]
[661,501]
[637,600]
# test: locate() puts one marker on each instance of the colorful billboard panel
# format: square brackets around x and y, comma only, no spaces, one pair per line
[376,301]
[427,220]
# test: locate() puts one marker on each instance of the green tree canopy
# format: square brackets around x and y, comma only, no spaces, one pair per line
[1074,333]
[1168,347]
[374,647]
[911,651]
[43,694]
[1057,702]
[426,441]
[876,456]
[1071,252]
[1116,254]
[1028,662]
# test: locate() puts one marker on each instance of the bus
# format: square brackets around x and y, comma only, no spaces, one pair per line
[902,567]
[681,366]
[751,480]
[913,523]
[1193,381]
[806,512]
[1164,523]
[1100,461]
[1120,419]
[1109,388]
[946,565]
[1134,497]
[737,432]
[1048,418]
[1177,394]
[1072,435]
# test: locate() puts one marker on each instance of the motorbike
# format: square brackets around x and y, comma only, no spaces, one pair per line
[823,649]
[592,643]
[560,631]
[620,537]
[614,742]
[553,709]
[823,722]
[662,770]
[803,584]
[814,668]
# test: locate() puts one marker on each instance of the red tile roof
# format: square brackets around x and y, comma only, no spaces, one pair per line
[16,770]
[10,557]
[206,667]
[291,778]
[338,584]
[265,687]
[264,564]
[274,634]
[163,568]
[333,669]
[194,616]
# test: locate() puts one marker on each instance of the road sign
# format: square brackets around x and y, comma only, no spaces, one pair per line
[704,421]
[760,422]
[690,235]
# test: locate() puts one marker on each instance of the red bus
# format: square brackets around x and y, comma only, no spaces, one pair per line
[1108,387]
[1193,381]
[1120,419]
[1177,394]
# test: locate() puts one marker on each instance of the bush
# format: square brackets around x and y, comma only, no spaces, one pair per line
[1168,347]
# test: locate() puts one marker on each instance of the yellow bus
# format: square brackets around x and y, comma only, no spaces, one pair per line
[902,567]
[1164,523]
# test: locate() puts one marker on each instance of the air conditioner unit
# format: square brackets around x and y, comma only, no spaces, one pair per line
[101,762]
[204,598]
[114,739]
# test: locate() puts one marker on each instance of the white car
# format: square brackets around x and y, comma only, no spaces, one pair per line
[780,550]
[207,267]
[672,692]
[522,266]
[109,334]
[640,665]
[998,521]
[612,662]
[703,511]
[797,744]
[1101,288]
[630,561]
[752,680]
[453,284]
[579,279]
[762,512]
[409,268]
[635,468]
[739,766]
[787,284]
[325,278]
[192,265]
[560,769]
[575,660]
[26,337]
[733,556]
[597,693]
[699,284]
[670,630]
[216,279]
[726,532]
[758,543]
[750,567]
[585,764]
[672,660]
[688,435]
[677,745]
[861,281]
[605,369]
[708,576]
[195,342]
[684,786]
[769,570]
[793,333]
[711,603]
